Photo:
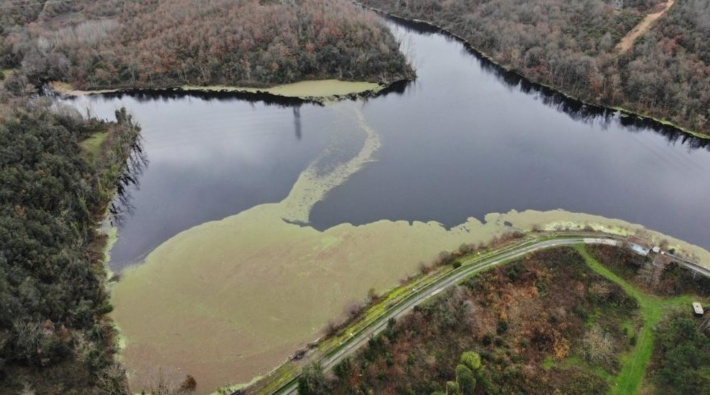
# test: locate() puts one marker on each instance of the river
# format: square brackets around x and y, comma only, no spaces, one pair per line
[464,140]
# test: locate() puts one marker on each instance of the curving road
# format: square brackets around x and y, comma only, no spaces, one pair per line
[431,290]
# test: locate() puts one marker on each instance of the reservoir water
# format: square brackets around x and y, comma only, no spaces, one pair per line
[244,204]
[465,139]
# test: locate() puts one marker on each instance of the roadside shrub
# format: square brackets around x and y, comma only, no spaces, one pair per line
[313,381]
[466,248]
[445,258]
[424,269]
[354,310]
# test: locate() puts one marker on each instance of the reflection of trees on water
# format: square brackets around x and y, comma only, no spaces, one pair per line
[575,109]
[590,114]
[297,121]
[143,96]
[129,181]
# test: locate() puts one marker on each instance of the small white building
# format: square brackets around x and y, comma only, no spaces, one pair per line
[656,249]
[698,309]
[639,249]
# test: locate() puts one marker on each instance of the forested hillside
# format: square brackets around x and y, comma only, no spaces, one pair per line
[55,337]
[510,330]
[167,43]
[589,320]
[570,45]
[668,70]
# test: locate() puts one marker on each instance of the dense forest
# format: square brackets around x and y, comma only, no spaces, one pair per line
[681,357]
[169,43]
[506,331]
[571,46]
[667,73]
[58,173]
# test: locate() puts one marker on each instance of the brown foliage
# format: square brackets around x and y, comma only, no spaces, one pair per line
[503,315]
[570,45]
[214,42]
[662,277]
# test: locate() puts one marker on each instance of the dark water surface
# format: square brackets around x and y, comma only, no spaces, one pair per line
[463,140]
[208,159]
[466,140]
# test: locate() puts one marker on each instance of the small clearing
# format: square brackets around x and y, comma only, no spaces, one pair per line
[92,145]
[653,309]
[628,41]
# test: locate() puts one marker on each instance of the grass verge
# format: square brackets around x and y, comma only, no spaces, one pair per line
[653,308]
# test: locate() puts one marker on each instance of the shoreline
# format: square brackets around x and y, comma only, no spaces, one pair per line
[348,237]
[432,27]
[283,375]
[307,91]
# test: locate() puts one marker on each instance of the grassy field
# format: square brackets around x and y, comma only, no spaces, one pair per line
[92,145]
[653,308]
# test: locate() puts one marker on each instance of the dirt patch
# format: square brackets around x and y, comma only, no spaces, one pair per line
[628,41]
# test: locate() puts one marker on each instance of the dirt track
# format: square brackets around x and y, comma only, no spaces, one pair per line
[628,41]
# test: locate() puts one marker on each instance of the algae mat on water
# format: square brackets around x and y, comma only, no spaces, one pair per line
[231,299]
[316,89]
[303,89]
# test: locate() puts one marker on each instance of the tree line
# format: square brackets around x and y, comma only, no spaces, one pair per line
[55,336]
[570,45]
[169,43]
